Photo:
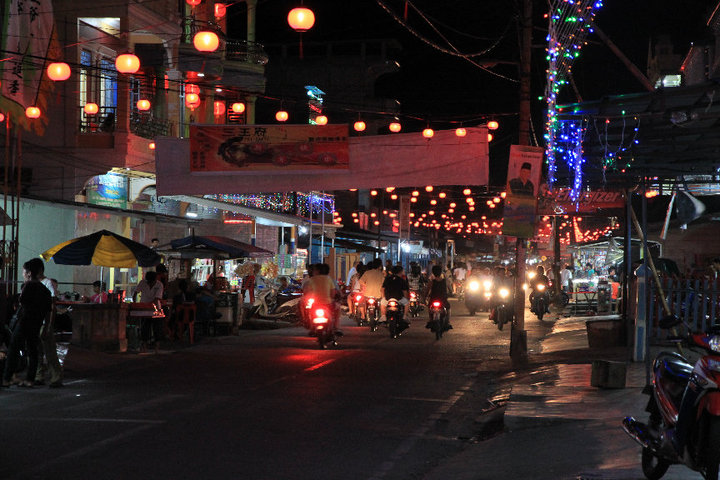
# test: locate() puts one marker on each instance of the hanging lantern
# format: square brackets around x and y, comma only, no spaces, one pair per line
[467,191]
[151,146]
[395,127]
[193,3]
[359,126]
[301,19]
[58,71]
[238,107]
[429,188]
[442,195]
[493,125]
[127,63]
[220,10]
[192,88]
[2,117]
[321,120]
[460,132]
[373,192]
[206,41]
[32,112]
[389,189]
[281,116]
[143,105]
[192,100]
[91,108]
[428,133]
[415,193]
[219,108]
[490,137]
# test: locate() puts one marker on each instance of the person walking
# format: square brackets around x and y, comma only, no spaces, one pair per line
[35,305]
[47,346]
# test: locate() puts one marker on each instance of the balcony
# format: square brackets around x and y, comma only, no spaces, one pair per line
[96,131]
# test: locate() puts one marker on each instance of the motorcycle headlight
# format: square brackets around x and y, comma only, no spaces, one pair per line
[541,287]
[504,293]
[474,286]
[531,275]
[714,343]
[487,284]
[525,285]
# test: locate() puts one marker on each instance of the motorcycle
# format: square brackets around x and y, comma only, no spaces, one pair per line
[394,313]
[684,408]
[414,305]
[438,319]
[478,295]
[540,301]
[372,313]
[356,313]
[503,314]
[322,326]
[270,304]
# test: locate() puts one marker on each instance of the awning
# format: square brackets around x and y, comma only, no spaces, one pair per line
[356,246]
[212,246]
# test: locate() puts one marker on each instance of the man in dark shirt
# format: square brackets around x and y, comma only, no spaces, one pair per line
[521,185]
[395,287]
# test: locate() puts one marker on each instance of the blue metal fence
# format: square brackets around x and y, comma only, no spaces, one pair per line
[696,301]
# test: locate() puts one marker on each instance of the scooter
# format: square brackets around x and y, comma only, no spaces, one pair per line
[414,305]
[477,295]
[540,301]
[355,314]
[394,314]
[503,314]
[684,407]
[272,305]
[322,326]
[438,319]
[372,312]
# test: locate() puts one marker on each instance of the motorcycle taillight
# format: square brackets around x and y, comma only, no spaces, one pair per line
[371,301]
[358,298]
[320,320]
[436,304]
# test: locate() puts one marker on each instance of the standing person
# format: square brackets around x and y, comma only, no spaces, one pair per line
[151,291]
[35,306]
[47,347]
[566,279]
[248,283]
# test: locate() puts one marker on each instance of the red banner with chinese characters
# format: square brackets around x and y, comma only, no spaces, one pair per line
[275,149]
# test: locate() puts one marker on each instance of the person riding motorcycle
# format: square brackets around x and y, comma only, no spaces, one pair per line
[354,286]
[395,287]
[539,279]
[501,279]
[437,291]
[325,292]
[371,282]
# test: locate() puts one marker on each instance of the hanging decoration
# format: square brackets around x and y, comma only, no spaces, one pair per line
[359,126]
[220,10]
[281,116]
[238,107]
[568,146]
[91,108]
[206,41]
[395,127]
[32,112]
[58,71]
[127,63]
[570,22]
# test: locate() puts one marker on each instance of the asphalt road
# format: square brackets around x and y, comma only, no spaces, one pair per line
[267,404]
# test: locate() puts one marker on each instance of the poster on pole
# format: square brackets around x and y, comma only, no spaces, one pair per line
[264,149]
[404,216]
[522,189]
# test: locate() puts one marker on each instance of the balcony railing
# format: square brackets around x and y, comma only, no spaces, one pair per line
[103,121]
[235,50]
[145,126]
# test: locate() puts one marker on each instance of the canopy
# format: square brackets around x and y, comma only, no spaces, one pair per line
[212,246]
[105,249]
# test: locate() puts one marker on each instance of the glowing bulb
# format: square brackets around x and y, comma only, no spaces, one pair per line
[91,108]
[281,116]
[238,107]
[359,126]
[460,132]
[428,133]
[395,127]
[321,120]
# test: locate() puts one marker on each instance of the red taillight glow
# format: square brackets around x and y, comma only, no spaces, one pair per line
[358,297]
[436,304]
[412,296]
[309,302]
[371,301]
[320,312]
[320,320]
[392,304]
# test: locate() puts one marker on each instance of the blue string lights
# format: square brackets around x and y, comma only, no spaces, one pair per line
[570,22]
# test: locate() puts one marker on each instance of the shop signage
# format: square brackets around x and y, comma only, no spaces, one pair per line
[558,202]
[108,190]
[275,149]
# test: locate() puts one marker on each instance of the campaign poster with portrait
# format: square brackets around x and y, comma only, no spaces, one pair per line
[524,168]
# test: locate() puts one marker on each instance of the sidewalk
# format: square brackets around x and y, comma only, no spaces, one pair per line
[557,426]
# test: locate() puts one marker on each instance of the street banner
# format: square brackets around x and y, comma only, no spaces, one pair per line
[404,216]
[397,160]
[268,149]
[524,169]
[519,216]
[559,202]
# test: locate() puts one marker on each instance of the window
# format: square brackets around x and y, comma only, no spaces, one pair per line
[108,84]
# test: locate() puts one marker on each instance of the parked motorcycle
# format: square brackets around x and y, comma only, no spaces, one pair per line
[271,304]
[372,313]
[540,301]
[438,319]
[684,407]
[394,314]
[503,306]
[414,305]
[478,295]
[322,326]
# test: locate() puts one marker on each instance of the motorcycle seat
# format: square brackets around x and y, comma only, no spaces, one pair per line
[673,374]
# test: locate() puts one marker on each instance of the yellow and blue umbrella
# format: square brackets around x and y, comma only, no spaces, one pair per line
[105,249]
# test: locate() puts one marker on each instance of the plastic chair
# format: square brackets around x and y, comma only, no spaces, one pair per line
[186,316]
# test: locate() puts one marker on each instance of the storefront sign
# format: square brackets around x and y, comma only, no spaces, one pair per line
[268,148]
[108,190]
[558,202]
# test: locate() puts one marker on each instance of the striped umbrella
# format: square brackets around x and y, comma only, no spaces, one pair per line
[105,249]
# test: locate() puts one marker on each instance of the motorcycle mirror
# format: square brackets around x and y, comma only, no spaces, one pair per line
[668,321]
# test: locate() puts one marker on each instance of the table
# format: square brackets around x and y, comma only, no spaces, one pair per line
[138,312]
[99,327]
[583,298]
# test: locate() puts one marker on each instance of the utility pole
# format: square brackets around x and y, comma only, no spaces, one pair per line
[518,334]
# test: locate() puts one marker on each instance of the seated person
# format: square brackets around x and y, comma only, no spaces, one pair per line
[437,291]
[149,290]
[324,290]
[99,294]
[184,296]
[395,287]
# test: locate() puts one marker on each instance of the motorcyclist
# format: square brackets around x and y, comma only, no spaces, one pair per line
[437,292]
[354,286]
[371,282]
[395,287]
[539,279]
[501,278]
[325,292]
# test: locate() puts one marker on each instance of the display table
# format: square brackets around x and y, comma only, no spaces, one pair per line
[99,327]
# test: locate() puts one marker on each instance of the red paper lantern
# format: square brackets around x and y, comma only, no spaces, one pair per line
[428,133]
[143,105]
[220,10]
[91,108]
[192,88]
[301,19]
[32,112]
[206,41]
[395,127]
[192,100]
[281,116]
[460,132]
[493,125]
[219,108]
[359,126]
[238,107]
[490,137]
[2,117]
[193,3]
[151,146]
[58,71]
[321,120]
[127,63]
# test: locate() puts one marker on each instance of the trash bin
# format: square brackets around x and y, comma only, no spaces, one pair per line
[603,296]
